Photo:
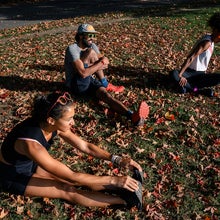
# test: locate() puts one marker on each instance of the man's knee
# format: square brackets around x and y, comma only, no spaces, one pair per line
[89,55]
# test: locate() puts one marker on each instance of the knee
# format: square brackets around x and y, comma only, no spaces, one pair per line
[89,56]
[92,54]
[68,191]
[174,75]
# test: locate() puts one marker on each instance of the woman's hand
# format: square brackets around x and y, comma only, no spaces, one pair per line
[125,162]
[182,81]
[125,182]
[129,163]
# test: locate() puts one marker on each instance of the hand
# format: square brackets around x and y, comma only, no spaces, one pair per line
[129,163]
[126,182]
[125,162]
[182,81]
[104,60]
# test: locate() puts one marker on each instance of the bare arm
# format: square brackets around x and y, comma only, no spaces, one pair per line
[39,154]
[200,48]
[101,64]
[94,150]
[84,146]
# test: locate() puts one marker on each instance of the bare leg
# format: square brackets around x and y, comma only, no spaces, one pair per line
[113,103]
[96,187]
[90,57]
[51,188]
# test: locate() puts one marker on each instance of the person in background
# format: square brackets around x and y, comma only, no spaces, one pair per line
[193,75]
[82,61]
[27,168]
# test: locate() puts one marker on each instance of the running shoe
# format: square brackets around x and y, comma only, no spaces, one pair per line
[137,175]
[112,88]
[206,92]
[141,114]
[133,199]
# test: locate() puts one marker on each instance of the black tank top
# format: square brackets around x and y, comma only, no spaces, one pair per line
[29,129]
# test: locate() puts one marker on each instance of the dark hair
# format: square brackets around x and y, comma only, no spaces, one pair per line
[45,106]
[77,37]
[214,21]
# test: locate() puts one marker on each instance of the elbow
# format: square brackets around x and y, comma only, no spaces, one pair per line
[190,59]
[83,74]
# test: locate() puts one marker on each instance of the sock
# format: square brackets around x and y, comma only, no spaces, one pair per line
[195,89]
[129,113]
[104,82]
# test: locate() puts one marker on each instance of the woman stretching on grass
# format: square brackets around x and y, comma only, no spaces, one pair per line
[192,77]
[26,167]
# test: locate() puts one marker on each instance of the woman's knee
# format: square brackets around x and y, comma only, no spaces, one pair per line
[65,191]
[174,75]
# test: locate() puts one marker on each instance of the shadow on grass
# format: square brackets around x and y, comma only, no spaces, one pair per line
[175,9]
[57,9]
[16,83]
[51,67]
[135,77]
[138,78]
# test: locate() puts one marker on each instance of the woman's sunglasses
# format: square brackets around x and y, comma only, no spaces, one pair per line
[63,99]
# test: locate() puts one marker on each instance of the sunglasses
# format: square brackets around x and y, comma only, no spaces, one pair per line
[63,100]
[91,35]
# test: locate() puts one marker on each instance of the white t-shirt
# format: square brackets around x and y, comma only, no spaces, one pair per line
[201,62]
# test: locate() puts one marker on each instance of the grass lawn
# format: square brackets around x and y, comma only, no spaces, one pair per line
[180,157]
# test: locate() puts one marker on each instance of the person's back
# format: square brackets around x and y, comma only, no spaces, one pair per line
[201,62]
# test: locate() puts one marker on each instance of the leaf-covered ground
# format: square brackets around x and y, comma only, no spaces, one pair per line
[178,147]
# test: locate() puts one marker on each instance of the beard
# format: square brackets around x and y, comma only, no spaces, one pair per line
[86,43]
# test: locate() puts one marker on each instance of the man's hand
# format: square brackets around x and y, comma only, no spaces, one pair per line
[104,60]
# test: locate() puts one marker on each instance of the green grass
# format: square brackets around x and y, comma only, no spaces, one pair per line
[180,158]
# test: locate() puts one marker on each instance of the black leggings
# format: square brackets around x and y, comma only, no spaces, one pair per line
[197,79]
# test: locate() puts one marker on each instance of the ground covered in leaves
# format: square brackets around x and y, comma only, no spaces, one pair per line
[178,147]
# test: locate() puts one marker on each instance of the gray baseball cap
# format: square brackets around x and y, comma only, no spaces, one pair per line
[86,28]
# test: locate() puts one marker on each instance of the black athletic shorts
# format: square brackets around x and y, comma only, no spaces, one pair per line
[15,179]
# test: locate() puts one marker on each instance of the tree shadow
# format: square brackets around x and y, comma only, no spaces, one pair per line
[174,8]
[48,67]
[120,75]
[60,9]
[139,78]
[17,83]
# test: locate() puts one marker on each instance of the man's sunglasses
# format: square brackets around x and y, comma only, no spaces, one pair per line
[91,35]
[63,99]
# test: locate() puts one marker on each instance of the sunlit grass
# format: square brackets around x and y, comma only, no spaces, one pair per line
[180,157]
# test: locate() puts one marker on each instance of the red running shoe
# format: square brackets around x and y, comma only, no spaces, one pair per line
[112,88]
[141,114]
